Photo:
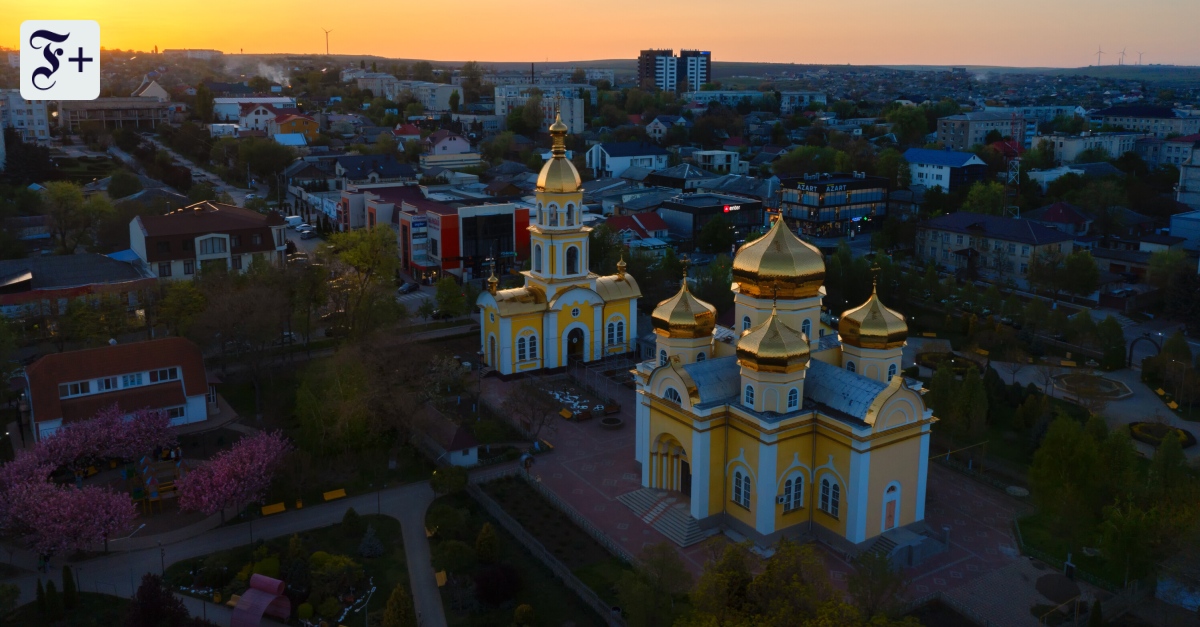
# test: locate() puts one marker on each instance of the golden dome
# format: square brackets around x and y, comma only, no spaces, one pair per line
[684,316]
[773,347]
[873,325]
[779,261]
[559,175]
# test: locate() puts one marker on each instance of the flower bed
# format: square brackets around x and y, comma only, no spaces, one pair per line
[958,363]
[1152,433]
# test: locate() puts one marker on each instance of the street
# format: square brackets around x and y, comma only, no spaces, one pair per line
[238,194]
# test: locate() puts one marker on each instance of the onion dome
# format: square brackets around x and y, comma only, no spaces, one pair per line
[773,347]
[779,265]
[559,175]
[684,316]
[873,325]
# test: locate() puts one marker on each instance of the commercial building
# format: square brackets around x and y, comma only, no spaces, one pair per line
[555,99]
[40,287]
[1068,148]
[135,113]
[973,242]
[833,205]
[687,214]
[1188,191]
[28,117]
[165,375]
[175,246]
[962,131]
[683,73]
[1153,120]
[948,169]
[611,159]
[1187,226]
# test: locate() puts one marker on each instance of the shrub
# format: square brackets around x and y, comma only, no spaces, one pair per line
[450,522]
[370,546]
[455,556]
[487,544]
[41,597]
[54,606]
[524,615]
[305,611]
[69,595]
[333,574]
[451,480]
[330,608]
[244,574]
[1152,433]
[268,567]
[497,584]
[352,524]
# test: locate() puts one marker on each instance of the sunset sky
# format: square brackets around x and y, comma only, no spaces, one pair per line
[1058,33]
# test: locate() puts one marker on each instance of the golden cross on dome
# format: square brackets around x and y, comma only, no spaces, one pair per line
[874,276]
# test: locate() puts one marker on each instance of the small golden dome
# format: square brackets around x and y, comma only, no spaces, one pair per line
[559,175]
[779,265]
[873,325]
[773,347]
[684,316]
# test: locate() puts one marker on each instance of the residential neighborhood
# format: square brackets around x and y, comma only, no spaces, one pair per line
[299,335]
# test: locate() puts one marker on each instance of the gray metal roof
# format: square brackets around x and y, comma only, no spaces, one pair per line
[840,390]
[828,341]
[717,380]
[55,271]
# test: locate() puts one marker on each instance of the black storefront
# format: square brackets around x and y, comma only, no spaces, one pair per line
[833,205]
[687,214]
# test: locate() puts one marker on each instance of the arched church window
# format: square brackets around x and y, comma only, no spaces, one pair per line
[570,215]
[748,396]
[553,211]
[745,323]
[620,331]
[700,356]
[806,329]
[741,488]
[672,395]
[573,260]
[520,349]
[537,258]
[793,399]
[891,372]
[533,347]
[793,493]
[850,366]
[662,358]
[831,497]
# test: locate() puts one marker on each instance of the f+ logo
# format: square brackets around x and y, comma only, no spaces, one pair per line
[46,45]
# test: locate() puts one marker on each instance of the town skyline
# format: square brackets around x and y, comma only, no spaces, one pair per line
[936,33]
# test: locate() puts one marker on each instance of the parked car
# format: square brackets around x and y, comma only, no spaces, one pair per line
[251,196]
[408,288]
[308,234]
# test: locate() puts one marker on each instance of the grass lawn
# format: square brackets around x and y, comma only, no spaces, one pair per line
[95,610]
[1038,533]
[386,571]
[553,603]
[590,561]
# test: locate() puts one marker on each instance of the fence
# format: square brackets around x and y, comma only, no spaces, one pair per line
[953,604]
[531,544]
[1059,564]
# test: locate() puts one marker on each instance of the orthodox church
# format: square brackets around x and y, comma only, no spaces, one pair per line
[563,311]
[783,426]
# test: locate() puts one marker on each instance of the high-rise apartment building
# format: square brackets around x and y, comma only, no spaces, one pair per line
[28,117]
[662,69]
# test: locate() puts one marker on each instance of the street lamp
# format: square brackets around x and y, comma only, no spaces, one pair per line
[129,559]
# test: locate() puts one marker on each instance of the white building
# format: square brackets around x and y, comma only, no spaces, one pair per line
[721,161]
[435,97]
[1187,226]
[229,109]
[565,97]
[1067,148]
[29,117]
[1188,191]
[611,159]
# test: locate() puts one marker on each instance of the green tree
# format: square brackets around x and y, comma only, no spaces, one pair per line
[909,124]
[986,197]
[487,544]
[201,192]
[367,261]
[1125,534]
[449,480]
[1061,476]
[399,611]
[204,103]
[1080,274]
[70,596]
[181,302]
[1168,468]
[1111,338]
[71,217]
[892,165]
[524,616]
[122,184]
[1165,266]
[10,594]
[54,604]
[943,390]
[454,100]
[450,298]
[874,586]
[716,236]
[41,597]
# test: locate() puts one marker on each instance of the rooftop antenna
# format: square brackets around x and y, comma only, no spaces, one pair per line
[1122,62]
[1140,58]
[1099,53]
[327,31]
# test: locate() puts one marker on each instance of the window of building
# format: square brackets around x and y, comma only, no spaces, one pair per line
[256,239]
[67,390]
[850,366]
[748,397]
[672,395]
[189,244]
[235,241]
[572,260]
[891,372]
[793,399]
[806,328]
[552,210]
[164,374]
[164,247]
[831,497]
[107,383]
[537,258]
[189,266]
[212,245]
[1012,249]
[570,215]
[164,269]
[700,356]
[533,346]
[662,358]
[741,489]
[793,493]
[958,239]
[745,323]
[131,380]
[1024,268]
[174,412]
[236,261]
[520,349]
[1024,251]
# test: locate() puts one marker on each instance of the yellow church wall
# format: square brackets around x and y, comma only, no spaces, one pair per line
[527,322]
[612,308]
[897,461]
[587,317]
[492,329]
[718,498]
[788,451]
[832,449]
[740,447]
[831,356]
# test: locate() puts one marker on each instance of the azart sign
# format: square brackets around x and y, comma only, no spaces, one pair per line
[729,208]
[827,188]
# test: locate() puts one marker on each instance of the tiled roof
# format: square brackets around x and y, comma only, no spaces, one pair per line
[1008,229]
[640,223]
[206,217]
[157,396]
[685,171]
[1098,170]
[948,158]
[47,373]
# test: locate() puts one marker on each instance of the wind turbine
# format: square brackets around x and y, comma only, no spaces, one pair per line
[1098,53]
[1122,57]
[1139,58]
[327,31]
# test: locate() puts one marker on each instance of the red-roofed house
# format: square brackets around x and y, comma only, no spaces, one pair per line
[638,226]
[1062,216]
[176,244]
[1011,149]
[735,144]
[165,374]
[407,132]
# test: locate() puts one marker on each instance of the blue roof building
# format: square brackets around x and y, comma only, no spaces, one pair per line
[947,169]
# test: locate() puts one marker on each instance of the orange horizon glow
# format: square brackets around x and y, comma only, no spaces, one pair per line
[1014,33]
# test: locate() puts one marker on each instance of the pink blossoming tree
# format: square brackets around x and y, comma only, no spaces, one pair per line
[234,477]
[55,519]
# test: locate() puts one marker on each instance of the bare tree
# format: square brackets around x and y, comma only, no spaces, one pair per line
[1015,358]
[534,409]
[1045,375]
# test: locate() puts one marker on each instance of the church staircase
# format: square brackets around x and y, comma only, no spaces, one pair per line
[668,513]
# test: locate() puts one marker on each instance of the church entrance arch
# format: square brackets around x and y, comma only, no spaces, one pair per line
[670,467]
[576,342]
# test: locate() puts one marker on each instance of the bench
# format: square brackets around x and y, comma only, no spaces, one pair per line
[929,334]
[233,600]
[273,509]
[440,577]
[1068,364]
[335,494]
